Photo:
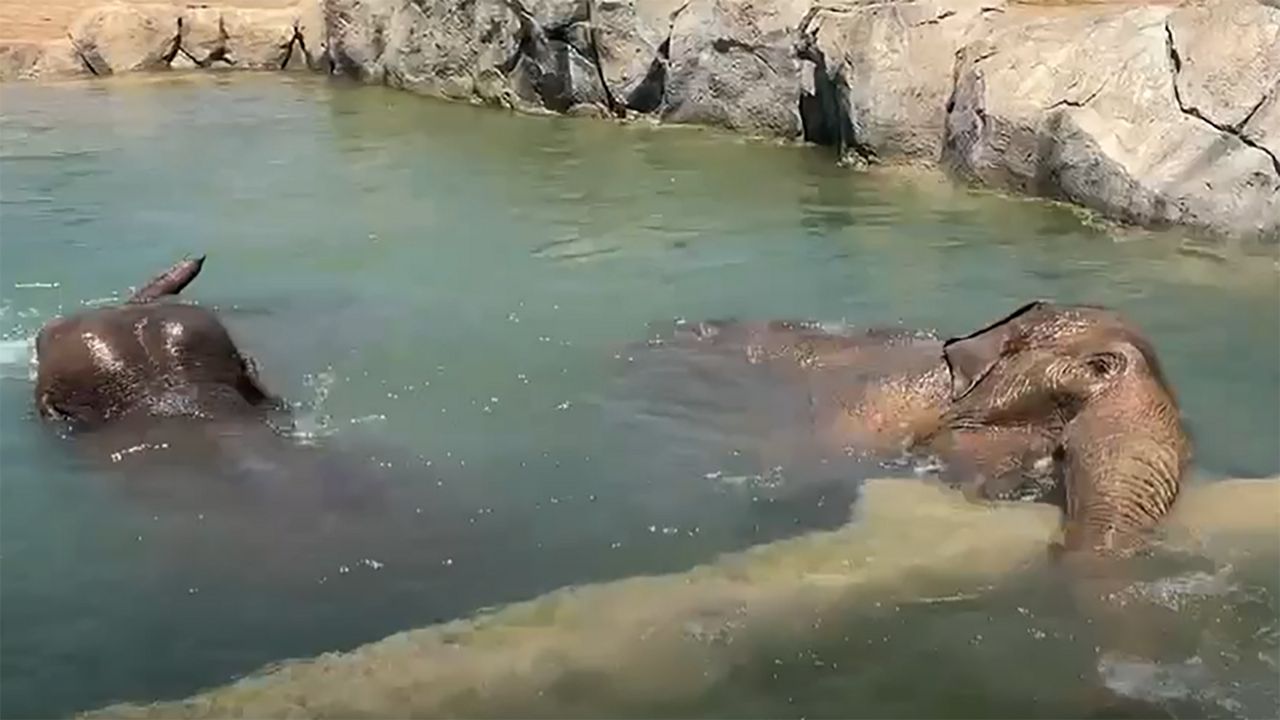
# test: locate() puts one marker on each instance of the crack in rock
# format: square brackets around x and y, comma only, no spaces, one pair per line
[935,20]
[297,42]
[175,44]
[75,47]
[1191,111]
[651,92]
[724,45]
[824,113]
[593,43]
[547,56]
[1068,102]
[1258,106]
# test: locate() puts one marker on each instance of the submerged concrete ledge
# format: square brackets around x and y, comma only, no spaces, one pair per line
[1149,113]
[590,650]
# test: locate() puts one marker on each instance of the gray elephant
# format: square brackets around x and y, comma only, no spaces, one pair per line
[1066,404]
[159,393]
[144,358]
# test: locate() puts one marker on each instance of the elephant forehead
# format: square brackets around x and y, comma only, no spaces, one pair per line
[1057,324]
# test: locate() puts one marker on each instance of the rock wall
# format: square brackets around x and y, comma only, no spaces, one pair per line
[135,37]
[1148,112]
[1151,115]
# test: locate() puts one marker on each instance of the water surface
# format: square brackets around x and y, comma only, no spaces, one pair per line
[454,296]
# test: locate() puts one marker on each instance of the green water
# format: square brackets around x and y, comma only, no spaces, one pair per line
[452,295]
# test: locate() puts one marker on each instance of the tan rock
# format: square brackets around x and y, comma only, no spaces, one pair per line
[58,59]
[882,73]
[439,47]
[204,39]
[259,39]
[256,39]
[182,61]
[310,45]
[18,59]
[126,37]
[632,39]
[1088,106]
[1229,58]
[1229,69]
[732,64]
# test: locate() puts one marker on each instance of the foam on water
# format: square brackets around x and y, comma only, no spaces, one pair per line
[675,636]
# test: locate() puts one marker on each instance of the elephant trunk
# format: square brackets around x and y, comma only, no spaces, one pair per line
[1125,455]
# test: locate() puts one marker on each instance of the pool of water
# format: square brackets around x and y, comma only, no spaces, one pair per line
[454,299]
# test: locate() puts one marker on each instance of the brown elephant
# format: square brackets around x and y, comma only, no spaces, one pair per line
[161,392]
[144,357]
[878,392]
[1060,403]
[1095,382]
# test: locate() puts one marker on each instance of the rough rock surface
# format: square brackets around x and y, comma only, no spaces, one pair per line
[457,50]
[882,73]
[632,40]
[266,39]
[732,64]
[35,60]
[124,38]
[1151,115]
[131,37]
[1076,103]
[1147,111]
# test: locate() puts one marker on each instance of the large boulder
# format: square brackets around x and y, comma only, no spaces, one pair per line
[356,32]
[258,39]
[129,37]
[632,40]
[729,63]
[126,37]
[17,59]
[556,65]
[58,58]
[36,60]
[1151,115]
[456,50]
[733,64]
[878,74]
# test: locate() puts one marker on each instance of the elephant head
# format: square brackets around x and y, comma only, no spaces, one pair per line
[144,357]
[1094,383]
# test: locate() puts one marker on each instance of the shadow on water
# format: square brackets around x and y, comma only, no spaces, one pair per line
[923,602]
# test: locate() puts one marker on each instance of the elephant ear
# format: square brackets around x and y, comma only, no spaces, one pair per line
[169,282]
[971,357]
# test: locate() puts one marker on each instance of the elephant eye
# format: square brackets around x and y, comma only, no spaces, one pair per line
[1104,364]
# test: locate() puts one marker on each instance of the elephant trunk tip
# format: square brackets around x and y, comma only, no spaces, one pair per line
[171,281]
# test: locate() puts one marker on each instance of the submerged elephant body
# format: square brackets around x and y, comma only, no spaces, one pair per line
[878,393]
[1060,403]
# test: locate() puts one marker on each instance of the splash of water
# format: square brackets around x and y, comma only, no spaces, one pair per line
[311,423]
[18,358]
